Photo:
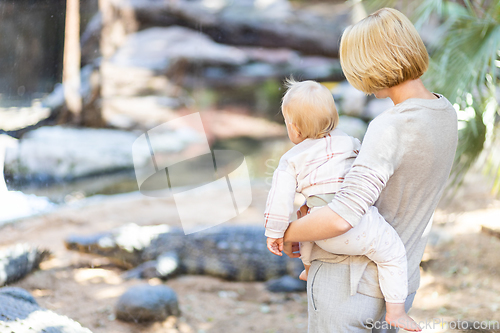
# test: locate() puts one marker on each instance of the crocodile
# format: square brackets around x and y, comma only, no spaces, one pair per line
[19,312]
[19,260]
[231,252]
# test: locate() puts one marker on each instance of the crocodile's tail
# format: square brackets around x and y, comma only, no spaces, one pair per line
[19,260]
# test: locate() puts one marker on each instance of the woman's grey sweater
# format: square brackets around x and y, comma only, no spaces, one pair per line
[402,169]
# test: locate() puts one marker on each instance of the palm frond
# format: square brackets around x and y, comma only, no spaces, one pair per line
[460,69]
[472,131]
[467,54]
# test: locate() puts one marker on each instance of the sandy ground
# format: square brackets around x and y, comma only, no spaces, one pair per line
[460,280]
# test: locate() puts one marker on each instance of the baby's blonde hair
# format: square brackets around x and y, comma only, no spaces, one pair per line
[382,51]
[310,107]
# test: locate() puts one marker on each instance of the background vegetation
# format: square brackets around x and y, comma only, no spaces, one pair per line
[464,67]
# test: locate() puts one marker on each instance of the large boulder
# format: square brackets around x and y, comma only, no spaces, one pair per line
[160,60]
[63,153]
[269,23]
[57,152]
[159,48]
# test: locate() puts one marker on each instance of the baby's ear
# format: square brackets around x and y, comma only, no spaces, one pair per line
[295,128]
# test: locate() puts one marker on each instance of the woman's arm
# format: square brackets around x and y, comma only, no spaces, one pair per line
[379,156]
[321,224]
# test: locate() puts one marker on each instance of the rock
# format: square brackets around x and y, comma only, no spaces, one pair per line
[353,126]
[269,23]
[193,43]
[19,312]
[274,56]
[139,66]
[125,81]
[376,106]
[258,70]
[141,113]
[62,153]
[161,60]
[13,120]
[18,293]
[147,303]
[316,67]
[160,48]
[158,61]
[286,284]
[304,67]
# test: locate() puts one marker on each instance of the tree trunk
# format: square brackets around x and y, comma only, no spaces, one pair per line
[116,25]
[71,62]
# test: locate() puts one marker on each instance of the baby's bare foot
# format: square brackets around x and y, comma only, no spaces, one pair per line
[396,316]
[303,275]
[405,322]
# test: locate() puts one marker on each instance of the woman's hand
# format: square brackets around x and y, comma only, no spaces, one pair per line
[291,249]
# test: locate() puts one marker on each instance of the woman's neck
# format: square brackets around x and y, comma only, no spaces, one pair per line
[409,89]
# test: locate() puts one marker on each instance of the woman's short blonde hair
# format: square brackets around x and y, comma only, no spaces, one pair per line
[382,51]
[310,107]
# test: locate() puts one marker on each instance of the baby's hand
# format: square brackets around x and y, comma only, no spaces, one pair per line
[275,245]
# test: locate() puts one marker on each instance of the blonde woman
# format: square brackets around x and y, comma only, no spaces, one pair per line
[401,169]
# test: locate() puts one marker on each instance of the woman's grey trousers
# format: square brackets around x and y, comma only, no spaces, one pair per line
[331,309]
